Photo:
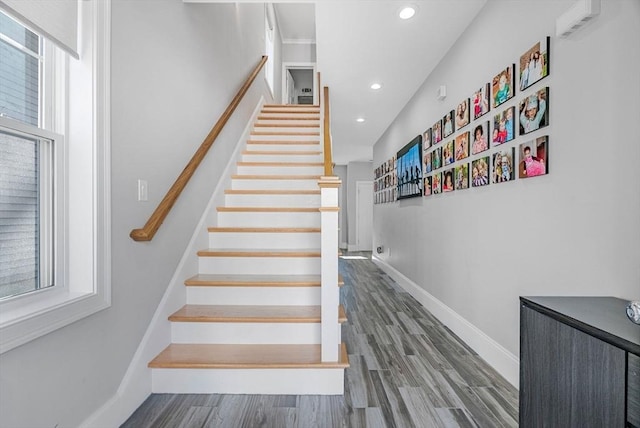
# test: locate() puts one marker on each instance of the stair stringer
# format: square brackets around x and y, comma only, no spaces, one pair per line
[136,385]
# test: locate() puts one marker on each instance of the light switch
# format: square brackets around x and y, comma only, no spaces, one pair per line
[143,193]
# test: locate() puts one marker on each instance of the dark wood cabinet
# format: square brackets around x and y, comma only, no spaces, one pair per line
[575,369]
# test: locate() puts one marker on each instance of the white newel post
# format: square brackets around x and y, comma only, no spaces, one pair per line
[330,294]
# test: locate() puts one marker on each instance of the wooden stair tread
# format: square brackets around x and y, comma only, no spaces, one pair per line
[285,133]
[270,192]
[316,118]
[274,177]
[287,125]
[280,152]
[265,229]
[269,209]
[209,356]
[216,280]
[262,252]
[285,142]
[248,313]
[279,164]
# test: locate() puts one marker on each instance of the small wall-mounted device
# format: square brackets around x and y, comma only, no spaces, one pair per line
[633,311]
[305,90]
[380,249]
[577,16]
[442,92]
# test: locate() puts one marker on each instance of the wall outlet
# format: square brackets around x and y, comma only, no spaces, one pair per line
[143,190]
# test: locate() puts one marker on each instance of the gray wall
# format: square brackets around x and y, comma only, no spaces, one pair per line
[175,67]
[575,231]
[356,171]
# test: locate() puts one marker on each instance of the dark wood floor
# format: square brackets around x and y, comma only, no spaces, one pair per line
[407,370]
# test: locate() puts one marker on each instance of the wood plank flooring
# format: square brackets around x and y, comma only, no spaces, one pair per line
[407,370]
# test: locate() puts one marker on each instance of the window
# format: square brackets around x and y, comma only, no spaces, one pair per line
[54,234]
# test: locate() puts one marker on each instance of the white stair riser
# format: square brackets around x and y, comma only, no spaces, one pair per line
[280,169]
[277,157]
[245,333]
[298,112]
[248,381]
[283,116]
[272,201]
[248,240]
[283,137]
[304,296]
[275,219]
[259,265]
[257,147]
[282,121]
[287,129]
[274,184]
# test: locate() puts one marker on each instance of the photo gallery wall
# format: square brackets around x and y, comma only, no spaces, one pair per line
[481,141]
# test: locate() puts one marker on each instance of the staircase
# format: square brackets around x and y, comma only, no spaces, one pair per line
[252,319]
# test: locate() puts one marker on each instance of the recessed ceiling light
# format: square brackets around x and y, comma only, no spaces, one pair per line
[407,12]
[376,86]
[360,119]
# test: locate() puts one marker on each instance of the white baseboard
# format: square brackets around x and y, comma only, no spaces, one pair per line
[136,384]
[343,245]
[354,247]
[503,361]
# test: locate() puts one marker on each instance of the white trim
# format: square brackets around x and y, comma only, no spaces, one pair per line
[507,364]
[304,66]
[136,383]
[298,42]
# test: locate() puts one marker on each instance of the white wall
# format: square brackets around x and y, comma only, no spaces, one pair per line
[298,52]
[356,171]
[341,171]
[175,67]
[573,232]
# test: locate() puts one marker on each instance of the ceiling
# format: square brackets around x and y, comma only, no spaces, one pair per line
[359,42]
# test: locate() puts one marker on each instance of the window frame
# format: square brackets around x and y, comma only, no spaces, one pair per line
[29,316]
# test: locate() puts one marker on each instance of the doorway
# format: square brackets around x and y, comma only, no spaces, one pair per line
[364,215]
[299,83]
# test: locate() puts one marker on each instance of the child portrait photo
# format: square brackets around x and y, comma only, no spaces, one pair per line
[447,124]
[534,111]
[462,146]
[436,158]
[480,138]
[534,158]
[503,166]
[447,153]
[480,100]
[502,86]
[480,172]
[462,176]
[427,186]
[504,126]
[436,132]
[462,114]
[427,165]
[447,180]
[436,183]
[534,64]
[426,139]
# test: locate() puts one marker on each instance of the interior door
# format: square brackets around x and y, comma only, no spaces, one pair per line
[364,215]
[291,92]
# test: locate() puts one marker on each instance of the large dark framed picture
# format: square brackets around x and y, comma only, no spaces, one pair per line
[410,169]
[502,86]
[534,64]
[534,111]
[534,158]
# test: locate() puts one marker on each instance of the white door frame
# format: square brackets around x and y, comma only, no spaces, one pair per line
[298,66]
[358,245]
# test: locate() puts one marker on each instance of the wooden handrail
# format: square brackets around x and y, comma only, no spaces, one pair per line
[162,210]
[328,156]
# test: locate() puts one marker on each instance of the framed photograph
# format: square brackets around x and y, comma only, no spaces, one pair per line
[480,172]
[462,146]
[436,132]
[447,180]
[426,139]
[427,186]
[436,183]
[447,124]
[534,111]
[436,158]
[480,101]
[502,86]
[534,64]
[534,158]
[504,126]
[462,114]
[427,165]
[503,166]
[409,169]
[462,176]
[480,138]
[447,153]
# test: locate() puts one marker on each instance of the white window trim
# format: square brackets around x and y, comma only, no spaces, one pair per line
[28,317]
